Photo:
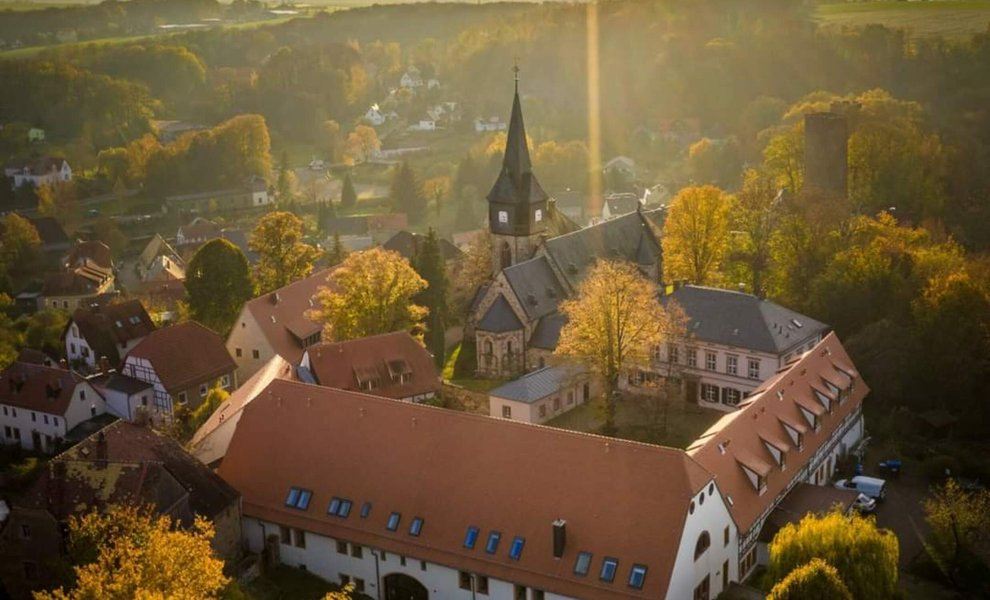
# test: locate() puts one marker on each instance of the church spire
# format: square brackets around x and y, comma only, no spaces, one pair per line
[516,183]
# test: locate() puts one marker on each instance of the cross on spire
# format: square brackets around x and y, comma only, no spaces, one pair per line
[515,71]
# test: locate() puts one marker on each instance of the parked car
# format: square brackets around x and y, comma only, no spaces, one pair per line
[863,504]
[871,486]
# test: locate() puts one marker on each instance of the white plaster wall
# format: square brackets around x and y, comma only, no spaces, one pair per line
[74,345]
[248,336]
[713,516]
[57,425]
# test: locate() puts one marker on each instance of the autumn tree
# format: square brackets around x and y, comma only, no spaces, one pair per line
[218,283]
[816,580]
[757,217]
[333,141]
[348,196]
[696,234]
[429,263]
[370,293]
[125,553]
[283,257]
[715,162]
[437,189]
[19,245]
[474,270]
[613,322]
[406,194]
[864,556]
[108,232]
[959,523]
[361,144]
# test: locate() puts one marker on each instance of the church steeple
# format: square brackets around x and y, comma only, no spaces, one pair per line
[517,204]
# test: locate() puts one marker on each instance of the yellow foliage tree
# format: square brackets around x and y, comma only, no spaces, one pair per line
[816,580]
[371,292]
[612,324]
[125,554]
[696,234]
[864,557]
[283,257]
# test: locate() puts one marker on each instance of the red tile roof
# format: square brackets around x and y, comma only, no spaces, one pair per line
[95,251]
[741,438]
[454,470]
[185,355]
[281,313]
[37,387]
[106,328]
[383,358]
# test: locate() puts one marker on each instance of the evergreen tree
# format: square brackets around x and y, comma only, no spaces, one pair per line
[406,194]
[337,252]
[348,197]
[284,184]
[428,262]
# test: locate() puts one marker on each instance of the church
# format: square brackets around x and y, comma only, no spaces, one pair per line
[539,259]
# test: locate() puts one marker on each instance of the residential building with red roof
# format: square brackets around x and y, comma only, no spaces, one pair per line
[40,404]
[392,365]
[407,500]
[276,324]
[183,362]
[109,331]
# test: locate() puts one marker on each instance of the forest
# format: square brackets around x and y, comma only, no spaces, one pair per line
[900,270]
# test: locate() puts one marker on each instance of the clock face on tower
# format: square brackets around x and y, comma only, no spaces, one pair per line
[538,215]
[503,216]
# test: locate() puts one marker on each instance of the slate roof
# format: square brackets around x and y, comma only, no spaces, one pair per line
[536,385]
[118,383]
[397,456]
[345,365]
[106,328]
[407,244]
[547,332]
[239,238]
[500,317]
[743,320]
[516,183]
[185,355]
[628,237]
[536,286]
[620,204]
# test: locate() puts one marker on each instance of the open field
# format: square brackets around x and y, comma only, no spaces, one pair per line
[948,18]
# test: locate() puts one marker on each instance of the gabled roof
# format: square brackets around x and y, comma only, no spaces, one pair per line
[106,328]
[538,384]
[547,332]
[516,183]
[407,244]
[536,286]
[209,443]
[500,317]
[738,441]
[281,312]
[620,204]
[37,387]
[630,501]
[80,281]
[629,237]
[185,355]
[199,228]
[95,251]
[50,231]
[157,246]
[385,358]
[743,320]
[118,383]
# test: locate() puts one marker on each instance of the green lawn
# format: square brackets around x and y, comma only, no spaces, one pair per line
[286,583]
[634,418]
[948,18]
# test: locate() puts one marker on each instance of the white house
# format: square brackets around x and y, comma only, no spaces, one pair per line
[425,123]
[110,331]
[411,79]
[128,398]
[541,395]
[38,172]
[486,125]
[374,116]
[39,405]
[734,341]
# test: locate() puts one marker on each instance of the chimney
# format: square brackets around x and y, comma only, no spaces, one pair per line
[63,363]
[559,537]
[104,364]
[101,446]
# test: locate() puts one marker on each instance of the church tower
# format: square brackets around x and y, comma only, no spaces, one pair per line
[517,205]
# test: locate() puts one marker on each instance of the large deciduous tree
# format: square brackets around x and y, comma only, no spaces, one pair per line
[218,283]
[371,292]
[959,523]
[283,257]
[19,244]
[124,554]
[864,556]
[612,324]
[696,234]
[816,580]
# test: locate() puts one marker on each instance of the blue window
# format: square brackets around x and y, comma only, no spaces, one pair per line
[334,507]
[637,576]
[470,538]
[365,510]
[416,526]
[515,551]
[493,539]
[345,509]
[393,521]
[298,498]
[582,563]
[609,567]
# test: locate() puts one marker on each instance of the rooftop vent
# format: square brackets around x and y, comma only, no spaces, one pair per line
[559,537]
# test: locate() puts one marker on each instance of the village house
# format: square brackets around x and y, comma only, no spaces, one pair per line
[490,124]
[411,79]
[370,515]
[159,262]
[253,193]
[126,398]
[391,365]
[110,332]
[618,204]
[542,395]
[374,116]
[183,362]
[122,464]
[276,324]
[40,404]
[198,231]
[76,286]
[38,172]
[732,343]
[92,251]
[408,244]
